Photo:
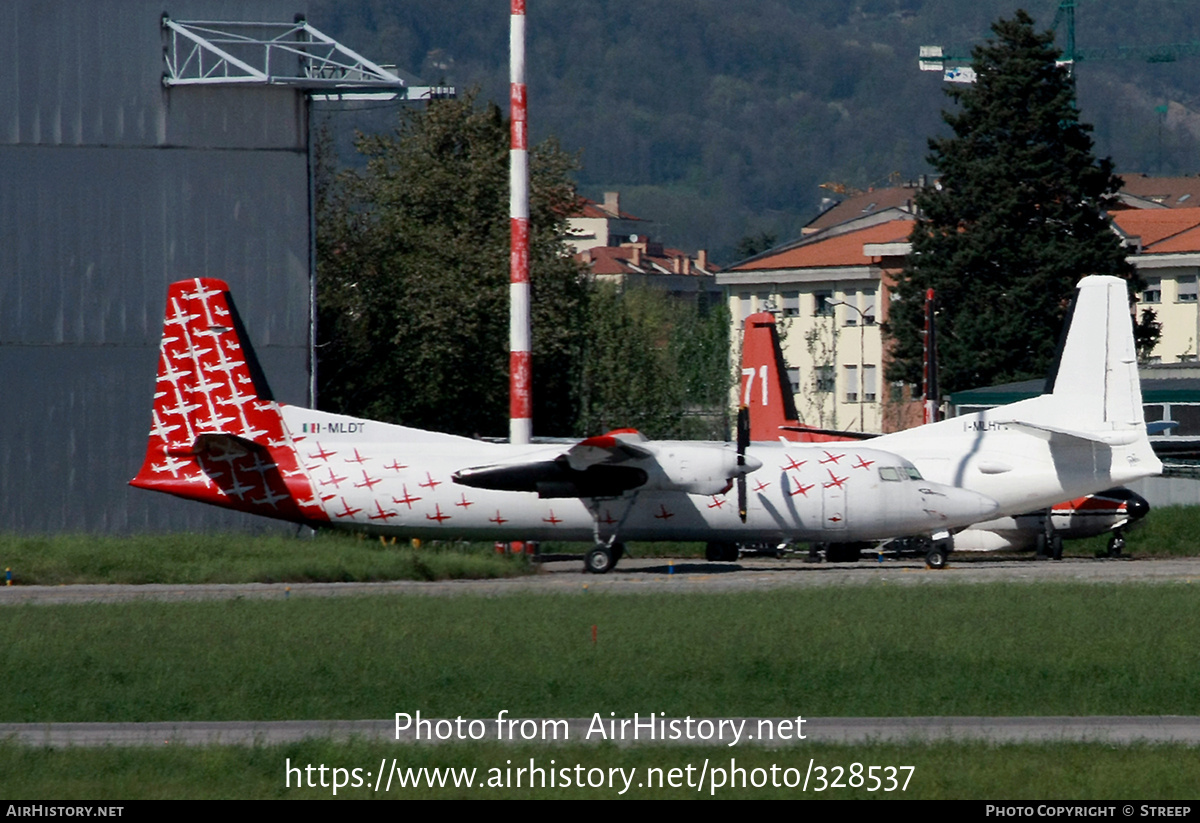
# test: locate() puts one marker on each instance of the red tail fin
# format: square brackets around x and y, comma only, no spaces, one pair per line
[216,433]
[766,389]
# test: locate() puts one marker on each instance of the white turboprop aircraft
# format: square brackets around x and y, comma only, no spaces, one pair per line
[1085,435]
[217,436]
[768,396]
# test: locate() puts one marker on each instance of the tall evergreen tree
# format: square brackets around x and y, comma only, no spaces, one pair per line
[1016,218]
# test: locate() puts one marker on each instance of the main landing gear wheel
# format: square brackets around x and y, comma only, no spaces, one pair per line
[1049,548]
[938,553]
[936,557]
[603,559]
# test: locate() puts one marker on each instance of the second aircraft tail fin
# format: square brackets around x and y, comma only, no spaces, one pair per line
[767,390]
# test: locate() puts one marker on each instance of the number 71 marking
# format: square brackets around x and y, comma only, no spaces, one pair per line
[762,379]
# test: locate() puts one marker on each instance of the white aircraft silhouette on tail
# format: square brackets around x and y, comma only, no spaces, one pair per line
[1085,436]
[218,437]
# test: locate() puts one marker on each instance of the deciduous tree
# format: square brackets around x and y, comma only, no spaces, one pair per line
[413,275]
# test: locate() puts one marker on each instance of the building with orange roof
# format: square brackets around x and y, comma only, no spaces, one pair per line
[1165,247]
[830,291]
[616,249]
[644,263]
[865,203]
[601,224]
[1164,192]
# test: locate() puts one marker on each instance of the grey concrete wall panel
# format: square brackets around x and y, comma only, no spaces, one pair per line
[112,186]
[95,234]
[76,424]
[1168,491]
[83,72]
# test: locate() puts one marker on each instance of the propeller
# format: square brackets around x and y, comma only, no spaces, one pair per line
[743,441]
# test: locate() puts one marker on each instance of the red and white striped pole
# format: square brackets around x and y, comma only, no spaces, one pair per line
[931,382]
[520,403]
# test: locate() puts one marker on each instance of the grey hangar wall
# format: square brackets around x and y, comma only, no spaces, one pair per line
[111,187]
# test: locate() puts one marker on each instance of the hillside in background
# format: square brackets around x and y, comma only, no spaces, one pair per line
[719,120]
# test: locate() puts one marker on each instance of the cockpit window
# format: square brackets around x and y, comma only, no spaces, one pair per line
[913,474]
[888,473]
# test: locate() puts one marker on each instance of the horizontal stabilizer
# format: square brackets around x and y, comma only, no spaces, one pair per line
[1107,438]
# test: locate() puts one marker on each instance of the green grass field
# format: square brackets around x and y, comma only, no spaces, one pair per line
[238,558]
[1003,649]
[340,557]
[940,771]
[1170,531]
[998,649]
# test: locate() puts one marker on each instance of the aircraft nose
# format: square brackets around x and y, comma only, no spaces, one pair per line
[1137,507]
[960,507]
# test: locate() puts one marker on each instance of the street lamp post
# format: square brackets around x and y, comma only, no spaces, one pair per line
[862,369]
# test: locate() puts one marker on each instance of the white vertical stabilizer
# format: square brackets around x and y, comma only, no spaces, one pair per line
[1098,367]
[1088,434]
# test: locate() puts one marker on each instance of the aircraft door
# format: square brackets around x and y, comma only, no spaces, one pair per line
[834,500]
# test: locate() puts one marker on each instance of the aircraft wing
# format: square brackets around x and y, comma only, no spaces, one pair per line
[612,464]
[601,466]
[841,435]
[619,446]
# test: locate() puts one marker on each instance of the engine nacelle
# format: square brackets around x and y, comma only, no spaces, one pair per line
[695,469]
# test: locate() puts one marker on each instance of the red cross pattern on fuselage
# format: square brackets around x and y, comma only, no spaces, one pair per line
[800,489]
[321,453]
[830,458]
[349,512]
[464,502]
[498,520]
[552,520]
[862,464]
[368,482]
[395,466]
[793,464]
[717,503]
[439,517]
[431,484]
[407,499]
[357,458]
[834,480]
[663,514]
[383,515]
[334,479]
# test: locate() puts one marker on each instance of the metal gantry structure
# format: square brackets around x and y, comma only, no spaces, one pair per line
[296,55]
[209,53]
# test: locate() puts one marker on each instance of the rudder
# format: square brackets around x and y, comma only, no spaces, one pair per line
[216,433]
[1097,367]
